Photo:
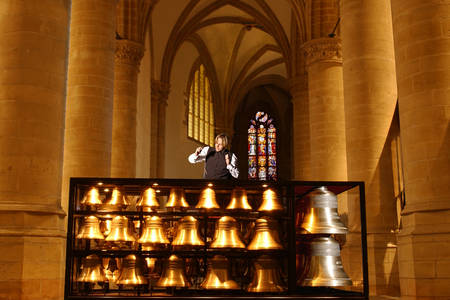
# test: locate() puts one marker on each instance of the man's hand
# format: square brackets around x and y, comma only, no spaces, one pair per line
[198,150]
[227,159]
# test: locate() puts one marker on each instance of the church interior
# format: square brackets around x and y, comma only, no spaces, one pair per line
[356,90]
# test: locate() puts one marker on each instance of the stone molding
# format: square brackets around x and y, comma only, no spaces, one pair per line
[128,52]
[323,50]
[32,208]
[160,91]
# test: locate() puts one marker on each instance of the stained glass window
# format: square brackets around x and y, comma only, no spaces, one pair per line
[262,148]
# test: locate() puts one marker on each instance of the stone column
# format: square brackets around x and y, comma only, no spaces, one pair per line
[326,109]
[123,153]
[33,59]
[87,141]
[160,93]
[422,51]
[370,93]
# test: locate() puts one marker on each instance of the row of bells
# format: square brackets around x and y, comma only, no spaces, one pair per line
[177,200]
[266,277]
[153,234]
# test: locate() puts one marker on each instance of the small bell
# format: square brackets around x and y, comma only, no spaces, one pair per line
[131,273]
[90,229]
[116,202]
[92,198]
[177,199]
[265,237]
[270,201]
[119,230]
[174,274]
[207,199]
[111,269]
[153,233]
[148,201]
[187,234]
[92,270]
[239,200]
[217,275]
[266,277]
[227,234]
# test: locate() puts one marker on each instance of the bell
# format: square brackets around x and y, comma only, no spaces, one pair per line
[92,198]
[174,274]
[117,201]
[227,234]
[187,234]
[105,224]
[111,269]
[131,273]
[265,237]
[207,199]
[148,200]
[239,200]
[177,199]
[322,216]
[266,277]
[90,229]
[270,201]
[217,275]
[92,270]
[119,230]
[153,232]
[324,266]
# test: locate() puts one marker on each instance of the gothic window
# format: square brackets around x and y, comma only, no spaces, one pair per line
[262,148]
[200,113]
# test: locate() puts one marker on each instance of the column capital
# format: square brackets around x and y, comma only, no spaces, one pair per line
[128,52]
[160,91]
[323,50]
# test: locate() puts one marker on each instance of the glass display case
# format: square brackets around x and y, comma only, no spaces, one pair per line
[180,238]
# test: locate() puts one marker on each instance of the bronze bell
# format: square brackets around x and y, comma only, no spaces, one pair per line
[323,264]
[239,200]
[111,269]
[187,234]
[119,230]
[217,275]
[321,215]
[266,277]
[227,234]
[270,201]
[265,237]
[177,199]
[174,274]
[148,201]
[207,199]
[90,229]
[92,270]
[116,201]
[153,232]
[131,273]
[92,198]
[105,224]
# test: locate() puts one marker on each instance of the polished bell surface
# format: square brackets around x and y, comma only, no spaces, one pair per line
[153,232]
[323,264]
[91,229]
[239,200]
[265,237]
[92,198]
[322,215]
[270,201]
[173,274]
[187,234]
[131,273]
[217,275]
[207,199]
[177,199]
[92,270]
[119,230]
[105,224]
[148,199]
[266,277]
[116,201]
[227,234]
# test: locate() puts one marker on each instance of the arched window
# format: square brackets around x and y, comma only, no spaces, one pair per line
[262,148]
[200,113]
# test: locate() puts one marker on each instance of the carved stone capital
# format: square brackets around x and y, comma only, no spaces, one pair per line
[160,91]
[323,50]
[129,52]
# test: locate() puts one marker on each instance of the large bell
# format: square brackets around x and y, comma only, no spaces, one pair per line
[119,230]
[177,199]
[116,201]
[265,237]
[90,229]
[92,270]
[131,273]
[148,201]
[153,232]
[321,215]
[324,265]
[227,234]
[239,200]
[266,277]
[187,234]
[207,199]
[217,275]
[92,198]
[173,274]
[270,201]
